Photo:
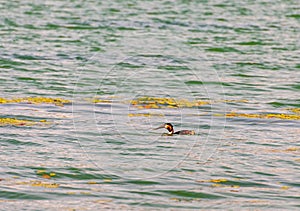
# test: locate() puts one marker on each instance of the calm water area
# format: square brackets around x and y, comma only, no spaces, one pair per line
[229,70]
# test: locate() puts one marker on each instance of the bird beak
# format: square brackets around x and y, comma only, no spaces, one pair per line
[162,126]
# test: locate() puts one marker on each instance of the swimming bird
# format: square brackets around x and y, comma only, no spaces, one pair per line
[170,128]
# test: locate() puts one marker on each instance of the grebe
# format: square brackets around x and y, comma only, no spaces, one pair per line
[170,128]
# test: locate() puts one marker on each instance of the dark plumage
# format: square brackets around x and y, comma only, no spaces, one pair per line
[170,128]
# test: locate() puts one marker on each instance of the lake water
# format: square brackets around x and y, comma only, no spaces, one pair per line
[228,70]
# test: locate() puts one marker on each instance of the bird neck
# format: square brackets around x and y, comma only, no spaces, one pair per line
[170,129]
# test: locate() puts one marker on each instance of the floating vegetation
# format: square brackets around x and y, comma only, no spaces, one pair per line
[45,175]
[78,193]
[224,186]
[145,102]
[39,184]
[294,110]
[20,122]
[265,116]
[218,180]
[145,115]
[292,149]
[219,183]
[45,185]
[95,100]
[157,102]
[106,100]
[285,187]
[221,180]
[236,101]
[36,100]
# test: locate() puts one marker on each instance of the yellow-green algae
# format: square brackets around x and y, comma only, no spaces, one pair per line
[265,116]
[147,102]
[20,122]
[45,175]
[145,115]
[294,110]
[158,102]
[37,183]
[155,102]
[96,100]
[36,100]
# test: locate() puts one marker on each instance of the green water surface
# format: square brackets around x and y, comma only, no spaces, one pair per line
[240,56]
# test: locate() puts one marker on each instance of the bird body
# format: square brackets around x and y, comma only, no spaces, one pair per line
[170,128]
